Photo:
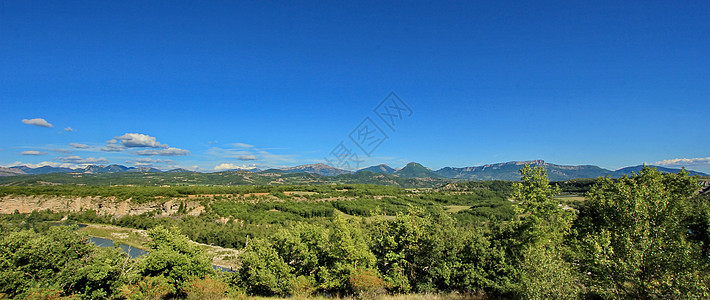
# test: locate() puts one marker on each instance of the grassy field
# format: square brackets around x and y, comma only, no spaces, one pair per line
[570,198]
[452,209]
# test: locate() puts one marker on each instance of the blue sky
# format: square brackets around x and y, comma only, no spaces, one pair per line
[221,84]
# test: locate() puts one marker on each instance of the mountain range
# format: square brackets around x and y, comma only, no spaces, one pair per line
[499,171]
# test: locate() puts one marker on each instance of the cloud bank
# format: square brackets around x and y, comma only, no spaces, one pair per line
[230,166]
[132,140]
[170,151]
[83,161]
[684,161]
[79,146]
[138,140]
[32,152]
[37,122]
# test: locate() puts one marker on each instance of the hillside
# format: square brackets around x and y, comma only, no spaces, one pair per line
[415,170]
[382,169]
[228,178]
[320,169]
[510,171]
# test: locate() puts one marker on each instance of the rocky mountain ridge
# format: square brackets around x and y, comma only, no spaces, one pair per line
[497,171]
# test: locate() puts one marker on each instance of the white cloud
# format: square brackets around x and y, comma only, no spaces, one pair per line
[266,158]
[138,140]
[113,148]
[148,162]
[37,122]
[170,151]
[684,161]
[79,146]
[69,129]
[229,166]
[78,160]
[60,150]
[33,152]
[241,145]
[276,158]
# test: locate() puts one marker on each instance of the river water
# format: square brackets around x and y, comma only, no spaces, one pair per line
[132,251]
[135,252]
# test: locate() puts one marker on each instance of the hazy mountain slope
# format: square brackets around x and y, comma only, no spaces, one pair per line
[43,170]
[382,169]
[320,169]
[10,171]
[637,169]
[511,171]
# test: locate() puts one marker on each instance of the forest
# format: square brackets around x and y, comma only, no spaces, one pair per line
[644,236]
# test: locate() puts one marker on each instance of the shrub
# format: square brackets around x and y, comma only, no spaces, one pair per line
[366,284]
[148,288]
[206,288]
[302,286]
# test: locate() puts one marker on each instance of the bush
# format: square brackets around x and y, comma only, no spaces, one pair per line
[263,271]
[366,284]
[206,288]
[302,286]
[148,288]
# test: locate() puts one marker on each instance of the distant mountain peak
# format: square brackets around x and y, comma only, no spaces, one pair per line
[414,169]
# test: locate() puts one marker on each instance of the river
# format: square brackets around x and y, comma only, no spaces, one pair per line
[135,252]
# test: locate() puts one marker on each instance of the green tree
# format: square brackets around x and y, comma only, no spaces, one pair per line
[634,239]
[61,260]
[430,252]
[263,271]
[174,257]
[539,232]
[347,252]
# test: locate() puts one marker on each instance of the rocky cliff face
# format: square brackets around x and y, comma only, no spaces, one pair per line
[103,206]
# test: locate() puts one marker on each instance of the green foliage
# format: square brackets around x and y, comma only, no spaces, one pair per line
[263,271]
[366,284]
[576,186]
[303,286]
[346,252]
[207,288]
[537,241]
[425,253]
[644,236]
[174,257]
[634,238]
[698,223]
[153,288]
[487,210]
[61,260]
